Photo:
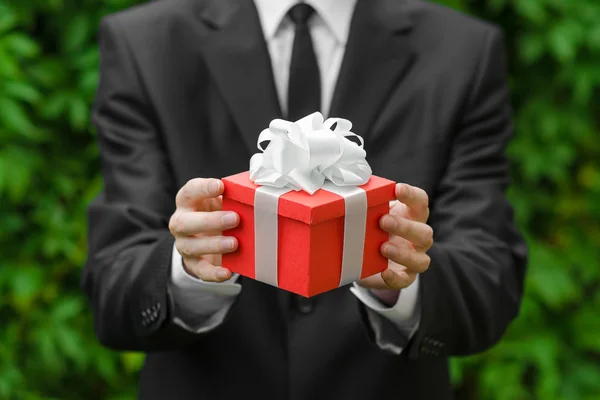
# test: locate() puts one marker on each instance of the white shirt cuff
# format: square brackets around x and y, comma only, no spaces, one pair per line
[405,315]
[199,306]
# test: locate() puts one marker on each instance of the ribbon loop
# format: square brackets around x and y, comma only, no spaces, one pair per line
[303,155]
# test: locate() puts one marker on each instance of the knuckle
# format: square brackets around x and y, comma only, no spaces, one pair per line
[189,264]
[413,261]
[214,244]
[408,192]
[390,279]
[201,273]
[425,197]
[179,247]
[209,222]
[202,186]
[402,226]
[207,245]
[184,195]
[425,263]
[193,183]
[428,240]
[420,264]
[186,248]
[206,272]
[176,224]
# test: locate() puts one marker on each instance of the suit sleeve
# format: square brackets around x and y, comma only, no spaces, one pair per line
[474,285]
[130,247]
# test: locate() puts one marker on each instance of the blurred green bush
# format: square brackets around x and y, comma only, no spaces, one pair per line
[49,172]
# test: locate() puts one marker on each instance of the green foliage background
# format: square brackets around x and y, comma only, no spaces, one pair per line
[49,172]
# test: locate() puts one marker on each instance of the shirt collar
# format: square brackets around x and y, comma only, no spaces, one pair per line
[336,14]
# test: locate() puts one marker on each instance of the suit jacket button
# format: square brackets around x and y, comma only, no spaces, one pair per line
[304,305]
[426,346]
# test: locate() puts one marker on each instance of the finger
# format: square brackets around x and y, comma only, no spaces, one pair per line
[414,261]
[415,198]
[392,278]
[196,190]
[201,246]
[398,279]
[376,281]
[418,233]
[204,270]
[399,209]
[192,222]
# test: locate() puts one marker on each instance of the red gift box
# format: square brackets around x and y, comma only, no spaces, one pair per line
[307,244]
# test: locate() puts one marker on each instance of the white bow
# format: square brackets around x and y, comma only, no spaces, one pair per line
[302,154]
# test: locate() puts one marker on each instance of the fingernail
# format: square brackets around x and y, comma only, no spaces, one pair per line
[389,274]
[391,250]
[214,186]
[229,219]
[227,244]
[389,222]
[222,274]
[399,189]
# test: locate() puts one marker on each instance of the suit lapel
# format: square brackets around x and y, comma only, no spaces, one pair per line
[237,56]
[378,54]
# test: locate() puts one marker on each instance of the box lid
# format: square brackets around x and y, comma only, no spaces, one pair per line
[310,209]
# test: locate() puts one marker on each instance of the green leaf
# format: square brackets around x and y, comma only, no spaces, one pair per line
[561,45]
[55,105]
[89,83]
[14,117]
[21,45]
[21,91]
[17,168]
[78,113]
[533,10]
[70,344]
[550,279]
[107,366]
[133,361]
[25,286]
[77,32]
[593,38]
[586,328]
[8,18]
[9,68]
[67,308]
[53,363]
[531,48]
[49,72]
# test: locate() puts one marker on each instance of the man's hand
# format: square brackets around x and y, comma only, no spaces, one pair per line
[410,239]
[197,226]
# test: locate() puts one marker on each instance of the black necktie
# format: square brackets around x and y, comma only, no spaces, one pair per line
[304,88]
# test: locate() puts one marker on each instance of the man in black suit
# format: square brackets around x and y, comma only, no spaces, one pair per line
[185,88]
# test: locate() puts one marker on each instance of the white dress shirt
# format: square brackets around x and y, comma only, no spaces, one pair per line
[329,28]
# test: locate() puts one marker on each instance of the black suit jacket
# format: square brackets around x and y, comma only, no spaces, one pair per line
[185,88]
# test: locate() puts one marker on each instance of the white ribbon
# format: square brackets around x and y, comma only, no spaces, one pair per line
[308,155]
[301,155]
[355,227]
[266,232]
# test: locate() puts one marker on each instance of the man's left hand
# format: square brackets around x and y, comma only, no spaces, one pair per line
[410,239]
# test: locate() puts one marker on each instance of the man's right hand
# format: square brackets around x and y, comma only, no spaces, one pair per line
[197,226]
